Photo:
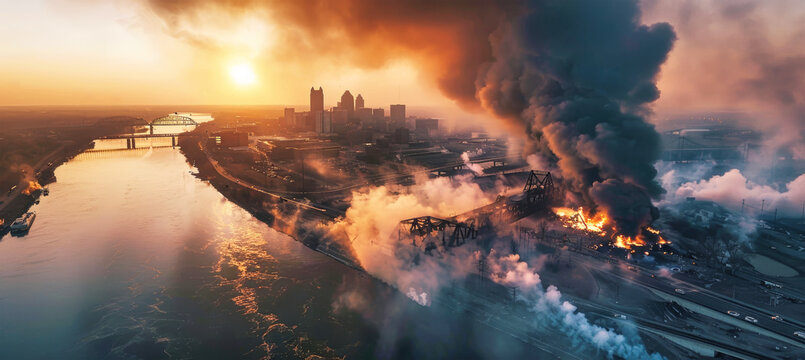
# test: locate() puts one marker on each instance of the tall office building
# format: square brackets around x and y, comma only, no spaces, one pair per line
[348,102]
[397,116]
[323,122]
[290,117]
[339,119]
[365,116]
[359,102]
[316,99]
[379,119]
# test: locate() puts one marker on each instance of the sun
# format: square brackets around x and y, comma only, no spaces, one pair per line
[242,74]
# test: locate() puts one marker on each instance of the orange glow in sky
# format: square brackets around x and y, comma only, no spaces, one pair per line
[120,53]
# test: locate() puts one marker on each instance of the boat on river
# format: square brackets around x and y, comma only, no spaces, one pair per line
[24,222]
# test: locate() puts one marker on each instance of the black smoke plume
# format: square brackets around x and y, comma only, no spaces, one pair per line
[573,75]
[577,75]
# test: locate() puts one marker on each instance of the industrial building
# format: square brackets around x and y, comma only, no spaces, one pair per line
[297,149]
[229,139]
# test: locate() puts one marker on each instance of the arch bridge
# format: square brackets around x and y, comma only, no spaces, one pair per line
[172,120]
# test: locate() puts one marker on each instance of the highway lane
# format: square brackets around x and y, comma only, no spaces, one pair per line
[646,325]
[707,299]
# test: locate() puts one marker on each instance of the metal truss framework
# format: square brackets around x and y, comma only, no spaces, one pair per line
[425,228]
[539,186]
[172,120]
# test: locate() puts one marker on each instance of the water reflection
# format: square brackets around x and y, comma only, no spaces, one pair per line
[133,257]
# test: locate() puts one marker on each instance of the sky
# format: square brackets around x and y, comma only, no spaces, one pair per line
[128,52]
[121,53]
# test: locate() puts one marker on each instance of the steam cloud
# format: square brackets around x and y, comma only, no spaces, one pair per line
[547,304]
[732,188]
[371,223]
[477,169]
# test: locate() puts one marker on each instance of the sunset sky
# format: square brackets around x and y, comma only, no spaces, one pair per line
[120,52]
[728,55]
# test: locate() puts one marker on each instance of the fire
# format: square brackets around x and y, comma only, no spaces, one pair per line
[599,224]
[626,242]
[33,185]
[576,219]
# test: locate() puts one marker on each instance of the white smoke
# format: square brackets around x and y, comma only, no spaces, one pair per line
[476,168]
[372,220]
[733,188]
[420,298]
[537,162]
[549,308]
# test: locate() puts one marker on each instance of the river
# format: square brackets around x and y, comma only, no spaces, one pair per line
[131,256]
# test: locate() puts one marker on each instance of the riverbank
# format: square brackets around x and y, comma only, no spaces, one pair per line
[305,224]
[17,203]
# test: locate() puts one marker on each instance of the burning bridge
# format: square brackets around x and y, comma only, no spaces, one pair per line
[432,232]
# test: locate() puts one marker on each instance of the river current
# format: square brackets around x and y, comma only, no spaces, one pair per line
[131,256]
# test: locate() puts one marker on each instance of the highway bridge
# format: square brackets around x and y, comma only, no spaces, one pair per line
[169,120]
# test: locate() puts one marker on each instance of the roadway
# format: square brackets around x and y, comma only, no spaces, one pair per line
[317,208]
[708,299]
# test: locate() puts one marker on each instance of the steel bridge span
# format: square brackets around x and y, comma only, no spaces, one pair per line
[431,233]
[172,120]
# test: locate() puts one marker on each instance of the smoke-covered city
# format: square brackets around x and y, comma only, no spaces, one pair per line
[402,179]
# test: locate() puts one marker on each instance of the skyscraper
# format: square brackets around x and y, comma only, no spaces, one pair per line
[397,116]
[290,117]
[348,102]
[359,102]
[316,100]
[323,122]
[379,119]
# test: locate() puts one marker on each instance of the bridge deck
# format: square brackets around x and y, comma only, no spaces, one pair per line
[142,136]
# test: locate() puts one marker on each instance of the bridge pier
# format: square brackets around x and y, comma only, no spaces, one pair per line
[133,144]
[173,141]
[128,143]
[152,128]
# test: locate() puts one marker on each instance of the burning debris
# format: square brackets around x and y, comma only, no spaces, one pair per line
[33,186]
[559,75]
[599,224]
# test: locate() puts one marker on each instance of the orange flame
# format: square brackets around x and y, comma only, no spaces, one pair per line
[577,219]
[626,242]
[33,185]
[599,224]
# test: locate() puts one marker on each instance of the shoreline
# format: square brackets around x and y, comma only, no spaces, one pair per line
[256,203]
[21,203]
